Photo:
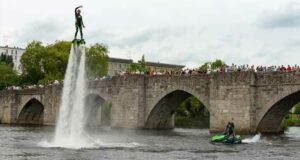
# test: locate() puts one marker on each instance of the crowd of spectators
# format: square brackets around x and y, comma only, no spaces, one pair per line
[224,69]
[242,68]
[50,83]
[187,72]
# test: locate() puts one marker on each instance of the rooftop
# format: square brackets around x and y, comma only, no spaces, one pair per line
[153,64]
[120,60]
[158,64]
[7,47]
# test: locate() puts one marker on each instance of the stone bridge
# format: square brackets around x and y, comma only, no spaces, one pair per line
[257,101]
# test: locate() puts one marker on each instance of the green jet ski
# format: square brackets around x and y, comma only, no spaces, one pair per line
[226,139]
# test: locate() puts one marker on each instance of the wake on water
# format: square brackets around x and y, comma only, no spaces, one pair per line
[254,139]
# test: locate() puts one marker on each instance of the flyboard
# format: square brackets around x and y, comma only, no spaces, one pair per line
[78,42]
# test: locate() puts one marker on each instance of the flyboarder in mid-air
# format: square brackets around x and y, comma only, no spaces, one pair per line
[79,23]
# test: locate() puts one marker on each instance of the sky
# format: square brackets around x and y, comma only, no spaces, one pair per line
[186,32]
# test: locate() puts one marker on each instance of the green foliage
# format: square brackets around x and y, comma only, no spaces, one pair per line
[204,66]
[55,61]
[133,67]
[192,108]
[217,64]
[6,59]
[32,63]
[97,61]
[42,64]
[192,113]
[8,76]
[291,120]
[142,66]
[297,109]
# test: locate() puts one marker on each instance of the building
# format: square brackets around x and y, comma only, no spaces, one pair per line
[162,67]
[16,54]
[118,65]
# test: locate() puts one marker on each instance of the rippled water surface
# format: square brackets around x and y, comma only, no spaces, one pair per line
[20,143]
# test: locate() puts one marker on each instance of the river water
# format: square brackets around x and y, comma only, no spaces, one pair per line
[25,142]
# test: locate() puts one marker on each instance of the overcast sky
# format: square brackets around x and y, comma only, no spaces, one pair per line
[187,32]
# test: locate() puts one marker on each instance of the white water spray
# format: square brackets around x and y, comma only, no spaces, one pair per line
[254,139]
[69,132]
[70,127]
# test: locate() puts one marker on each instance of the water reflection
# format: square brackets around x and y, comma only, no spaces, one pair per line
[293,133]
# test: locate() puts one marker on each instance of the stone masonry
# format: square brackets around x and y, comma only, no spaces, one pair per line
[256,101]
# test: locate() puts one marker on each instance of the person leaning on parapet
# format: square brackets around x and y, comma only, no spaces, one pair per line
[79,23]
[229,131]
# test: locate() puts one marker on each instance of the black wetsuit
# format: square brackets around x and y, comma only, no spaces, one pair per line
[230,128]
[78,24]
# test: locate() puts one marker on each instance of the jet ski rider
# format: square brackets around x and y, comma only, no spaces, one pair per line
[229,131]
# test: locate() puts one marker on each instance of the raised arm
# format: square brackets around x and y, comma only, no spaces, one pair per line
[77,8]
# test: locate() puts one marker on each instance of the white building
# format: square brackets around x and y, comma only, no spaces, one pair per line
[16,54]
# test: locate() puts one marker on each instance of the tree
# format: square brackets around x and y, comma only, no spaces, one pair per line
[297,109]
[8,76]
[142,67]
[217,64]
[133,67]
[32,61]
[97,61]
[55,61]
[2,57]
[7,59]
[192,108]
[41,64]
[204,67]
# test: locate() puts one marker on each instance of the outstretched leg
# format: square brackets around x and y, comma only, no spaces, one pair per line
[76,32]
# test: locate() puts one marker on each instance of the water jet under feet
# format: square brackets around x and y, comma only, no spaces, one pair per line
[70,127]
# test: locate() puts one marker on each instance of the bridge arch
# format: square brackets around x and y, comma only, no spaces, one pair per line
[96,110]
[162,114]
[271,119]
[32,113]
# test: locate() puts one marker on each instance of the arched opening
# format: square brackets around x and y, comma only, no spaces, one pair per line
[292,119]
[163,114]
[97,111]
[32,113]
[272,121]
[191,113]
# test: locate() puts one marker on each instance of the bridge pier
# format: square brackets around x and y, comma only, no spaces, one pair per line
[232,96]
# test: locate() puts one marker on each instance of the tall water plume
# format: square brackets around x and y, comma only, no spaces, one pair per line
[69,130]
